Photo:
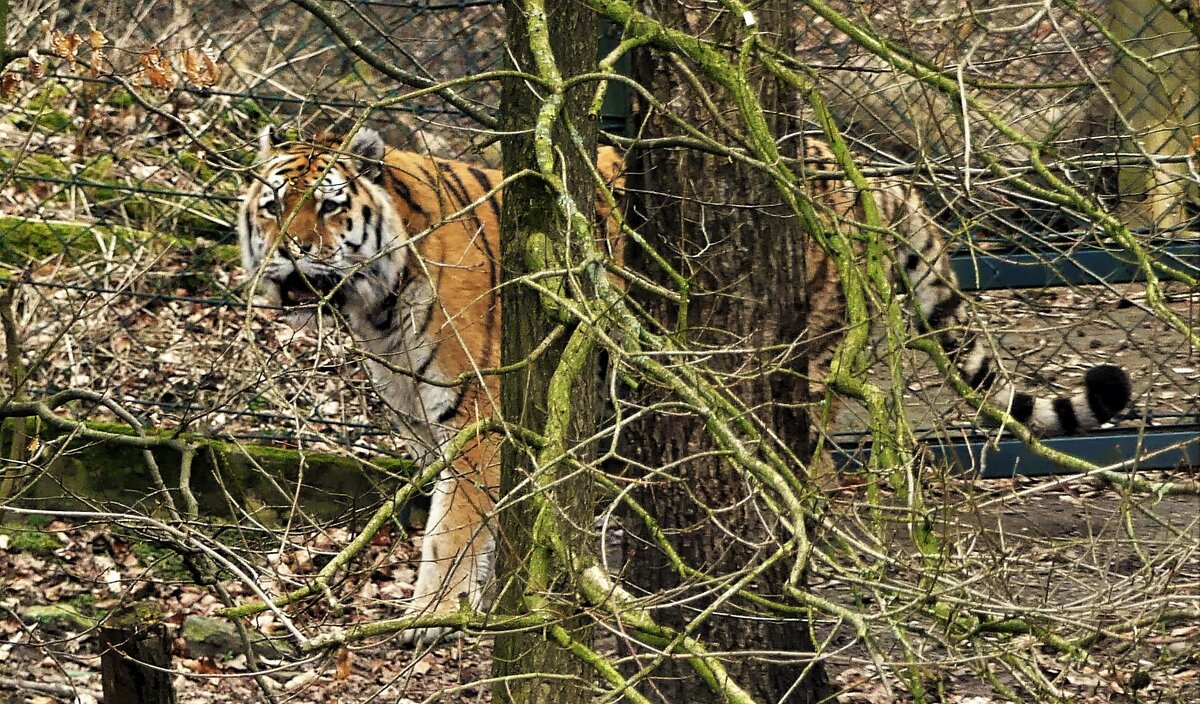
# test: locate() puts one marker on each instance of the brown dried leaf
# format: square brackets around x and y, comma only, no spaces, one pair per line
[66,46]
[9,83]
[36,68]
[95,61]
[344,662]
[95,38]
[423,666]
[200,69]
[201,666]
[157,71]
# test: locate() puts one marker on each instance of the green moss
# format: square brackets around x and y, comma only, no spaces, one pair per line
[227,253]
[195,165]
[51,95]
[45,110]
[166,563]
[251,109]
[99,169]
[226,478]
[47,120]
[120,99]
[84,601]
[61,613]
[23,240]
[134,615]
[34,164]
[199,218]
[29,539]
[51,167]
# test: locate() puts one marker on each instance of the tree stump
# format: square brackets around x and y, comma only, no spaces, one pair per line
[135,658]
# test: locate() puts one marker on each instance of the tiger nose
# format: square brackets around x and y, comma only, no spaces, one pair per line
[305,247]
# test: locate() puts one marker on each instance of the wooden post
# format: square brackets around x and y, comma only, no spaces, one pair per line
[1155,88]
[135,658]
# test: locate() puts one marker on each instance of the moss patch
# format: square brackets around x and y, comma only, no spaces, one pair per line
[29,539]
[166,562]
[23,240]
[227,479]
[61,613]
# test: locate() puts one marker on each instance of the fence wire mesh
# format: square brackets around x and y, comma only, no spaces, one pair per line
[129,136]
[129,130]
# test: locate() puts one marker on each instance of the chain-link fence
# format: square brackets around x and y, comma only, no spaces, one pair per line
[130,130]
[124,148]
[1115,126]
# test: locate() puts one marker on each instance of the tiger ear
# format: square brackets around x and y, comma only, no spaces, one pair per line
[368,147]
[267,142]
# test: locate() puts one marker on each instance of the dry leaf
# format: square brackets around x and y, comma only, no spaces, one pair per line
[344,662]
[200,69]
[9,82]
[301,680]
[201,666]
[66,46]
[94,63]
[423,665]
[95,39]
[36,68]
[157,70]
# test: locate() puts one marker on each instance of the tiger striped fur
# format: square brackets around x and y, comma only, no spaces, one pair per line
[392,242]
[921,255]
[388,239]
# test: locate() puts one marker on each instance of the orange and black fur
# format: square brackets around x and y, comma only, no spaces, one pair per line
[389,240]
[921,256]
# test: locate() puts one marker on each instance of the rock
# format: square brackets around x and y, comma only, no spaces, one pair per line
[62,614]
[217,638]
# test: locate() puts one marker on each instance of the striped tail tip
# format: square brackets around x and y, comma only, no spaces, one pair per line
[1108,391]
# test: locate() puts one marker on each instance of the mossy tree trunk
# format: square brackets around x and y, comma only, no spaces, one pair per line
[715,221]
[530,210]
[1156,89]
[4,51]
[135,657]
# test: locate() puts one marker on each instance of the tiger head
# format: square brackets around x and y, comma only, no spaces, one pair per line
[317,228]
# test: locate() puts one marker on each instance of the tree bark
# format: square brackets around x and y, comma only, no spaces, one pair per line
[1155,89]
[719,224]
[135,658]
[531,209]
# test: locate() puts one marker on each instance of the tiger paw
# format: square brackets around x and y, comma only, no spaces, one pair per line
[445,611]
[445,595]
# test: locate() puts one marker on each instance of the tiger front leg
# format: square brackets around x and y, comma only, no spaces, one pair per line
[457,550]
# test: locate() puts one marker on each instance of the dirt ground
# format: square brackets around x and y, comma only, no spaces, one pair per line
[1058,547]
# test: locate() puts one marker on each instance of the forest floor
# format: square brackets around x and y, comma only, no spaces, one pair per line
[1066,544]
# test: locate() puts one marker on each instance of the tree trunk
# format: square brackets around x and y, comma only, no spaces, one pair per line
[530,208]
[135,658]
[714,220]
[1156,93]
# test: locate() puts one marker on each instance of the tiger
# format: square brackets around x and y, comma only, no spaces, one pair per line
[405,248]
[922,269]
